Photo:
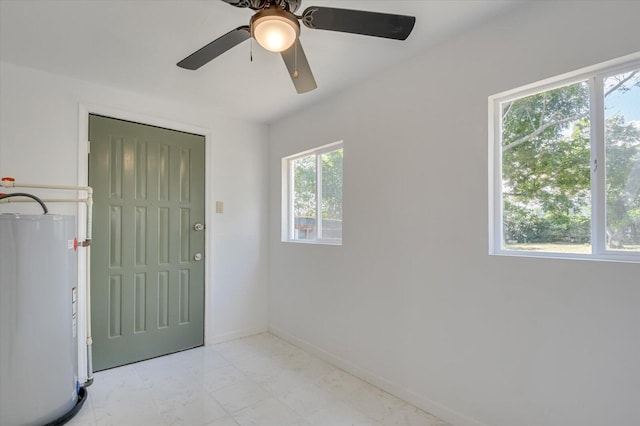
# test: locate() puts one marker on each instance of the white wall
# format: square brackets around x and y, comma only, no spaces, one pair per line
[412,301]
[40,131]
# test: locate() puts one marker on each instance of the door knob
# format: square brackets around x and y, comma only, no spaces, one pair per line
[197,257]
[198,227]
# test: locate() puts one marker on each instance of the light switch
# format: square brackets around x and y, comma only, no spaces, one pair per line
[219,207]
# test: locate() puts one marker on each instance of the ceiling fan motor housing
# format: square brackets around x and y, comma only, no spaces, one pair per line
[290,5]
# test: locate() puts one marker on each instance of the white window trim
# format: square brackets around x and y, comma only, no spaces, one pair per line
[594,74]
[287,225]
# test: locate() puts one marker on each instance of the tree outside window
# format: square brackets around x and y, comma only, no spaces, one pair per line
[568,155]
[315,180]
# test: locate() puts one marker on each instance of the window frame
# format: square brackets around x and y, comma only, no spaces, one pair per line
[288,215]
[594,76]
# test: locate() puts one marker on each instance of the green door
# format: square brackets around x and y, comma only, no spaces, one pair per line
[147,267]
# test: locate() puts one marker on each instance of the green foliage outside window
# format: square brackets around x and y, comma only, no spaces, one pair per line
[311,186]
[546,167]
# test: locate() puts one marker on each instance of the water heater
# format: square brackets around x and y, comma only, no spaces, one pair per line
[38,319]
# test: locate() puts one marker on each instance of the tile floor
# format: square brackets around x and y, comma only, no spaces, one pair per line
[259,380]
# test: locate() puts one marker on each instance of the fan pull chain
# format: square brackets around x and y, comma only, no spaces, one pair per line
[251,50]
[295,60]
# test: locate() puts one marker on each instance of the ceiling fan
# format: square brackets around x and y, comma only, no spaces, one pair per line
[276,28]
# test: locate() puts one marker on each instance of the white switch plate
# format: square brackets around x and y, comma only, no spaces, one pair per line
[219,207]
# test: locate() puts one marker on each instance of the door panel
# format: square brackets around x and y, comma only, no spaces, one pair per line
[147,288]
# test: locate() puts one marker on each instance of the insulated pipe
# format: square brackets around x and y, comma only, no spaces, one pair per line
[9,182]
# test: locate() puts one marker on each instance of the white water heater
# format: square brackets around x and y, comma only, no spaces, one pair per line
[38,319]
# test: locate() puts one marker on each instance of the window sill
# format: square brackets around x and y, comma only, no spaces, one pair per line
[314,242]
[608,257]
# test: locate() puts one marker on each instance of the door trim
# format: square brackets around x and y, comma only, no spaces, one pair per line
[84,109]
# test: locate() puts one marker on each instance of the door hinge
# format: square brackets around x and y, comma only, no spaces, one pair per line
[88,147]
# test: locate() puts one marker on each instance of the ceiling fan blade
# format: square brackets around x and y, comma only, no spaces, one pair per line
[397,27]
[299,69]
[216,48]
[239,3]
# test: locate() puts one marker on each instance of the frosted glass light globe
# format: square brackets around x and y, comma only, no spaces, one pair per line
[275,32]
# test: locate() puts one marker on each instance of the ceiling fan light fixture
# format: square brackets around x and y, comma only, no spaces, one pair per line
[275,29]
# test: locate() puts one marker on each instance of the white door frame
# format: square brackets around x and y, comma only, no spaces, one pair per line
[84,110]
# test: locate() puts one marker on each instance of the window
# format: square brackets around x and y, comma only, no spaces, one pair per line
[565,166]
[313,195]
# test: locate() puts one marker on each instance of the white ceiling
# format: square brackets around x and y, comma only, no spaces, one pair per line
[135,45]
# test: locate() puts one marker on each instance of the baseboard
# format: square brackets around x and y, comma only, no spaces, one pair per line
[238,334]
[420,401]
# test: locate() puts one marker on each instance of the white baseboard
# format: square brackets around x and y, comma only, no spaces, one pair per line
[420,401]
[238,334]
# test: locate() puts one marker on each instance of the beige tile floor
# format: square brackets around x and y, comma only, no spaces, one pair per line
[259,380]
